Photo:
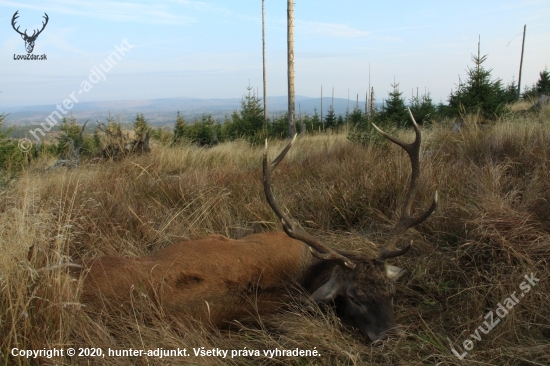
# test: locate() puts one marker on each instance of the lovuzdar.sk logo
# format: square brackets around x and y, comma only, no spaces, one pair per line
[29,40]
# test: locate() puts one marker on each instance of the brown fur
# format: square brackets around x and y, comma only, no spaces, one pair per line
[214,279]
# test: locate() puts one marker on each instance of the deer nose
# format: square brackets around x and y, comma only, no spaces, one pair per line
[392,332]
[377,339]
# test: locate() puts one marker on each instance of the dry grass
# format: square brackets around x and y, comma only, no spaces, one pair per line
[491,228]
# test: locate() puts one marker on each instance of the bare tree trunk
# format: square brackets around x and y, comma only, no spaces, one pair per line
[263,56]
[303,130]
[290,35]
[347,108]
[367,114]
[521,60]
[372,110]
[321,104]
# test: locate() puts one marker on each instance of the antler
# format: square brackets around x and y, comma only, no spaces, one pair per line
[43,26]
[34,34]
[319,250]
[15,16]
[406,221]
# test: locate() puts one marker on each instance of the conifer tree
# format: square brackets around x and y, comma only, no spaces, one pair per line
[252,112]
[250,120]
[422,108]
[543,84]
[71,142]
[356,117]
[510,93]
[315,121]
[478,93]
[11,157]
[394,109]
[179,129]
[141,127]
[330,119]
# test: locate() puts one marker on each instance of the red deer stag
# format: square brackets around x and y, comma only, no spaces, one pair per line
[217,279]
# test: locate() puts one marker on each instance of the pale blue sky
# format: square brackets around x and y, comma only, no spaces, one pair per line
[212,49]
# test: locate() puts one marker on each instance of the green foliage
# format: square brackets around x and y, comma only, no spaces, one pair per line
[249,122]
[3,134]
[96,140]
[330,119]
[179,129]
[71,138]
[205,131]
[479,94]
[394,110]
[141,127]
[443,110]
[112,142]
[510,93]
[278,127]
[530,92]
[355,117]
[365,134]
[12,159]
[543,84]
[313,123]
[163,135]
[423,108]
[73,143]
[362,130]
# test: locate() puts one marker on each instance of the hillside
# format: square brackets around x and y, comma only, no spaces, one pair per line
[164,111]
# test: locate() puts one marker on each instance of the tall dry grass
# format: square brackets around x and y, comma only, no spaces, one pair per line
[491,228]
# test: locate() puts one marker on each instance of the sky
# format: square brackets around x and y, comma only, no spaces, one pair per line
[213,49]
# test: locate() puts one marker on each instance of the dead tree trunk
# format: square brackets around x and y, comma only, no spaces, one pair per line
[263,56]
[521,60]
[290,53]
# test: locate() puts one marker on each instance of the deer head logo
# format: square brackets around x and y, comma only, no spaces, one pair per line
[29,40]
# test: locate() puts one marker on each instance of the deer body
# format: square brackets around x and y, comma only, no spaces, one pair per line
[214,279]
[218,280]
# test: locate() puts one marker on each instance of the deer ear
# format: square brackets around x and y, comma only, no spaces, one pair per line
[394,272]
[332,288]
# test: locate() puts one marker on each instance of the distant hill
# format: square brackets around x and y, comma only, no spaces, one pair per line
[164,111]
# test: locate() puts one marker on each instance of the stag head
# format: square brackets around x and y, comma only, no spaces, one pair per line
[362,288]
[29,40]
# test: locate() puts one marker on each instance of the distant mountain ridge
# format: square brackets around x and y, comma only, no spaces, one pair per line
[163,111]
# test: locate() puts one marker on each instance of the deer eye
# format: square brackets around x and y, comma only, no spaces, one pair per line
[354,300]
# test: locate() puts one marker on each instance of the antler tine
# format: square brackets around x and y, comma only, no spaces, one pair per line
[35,34]
[406,221]
[289,225]
[13,19]
[44,23]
